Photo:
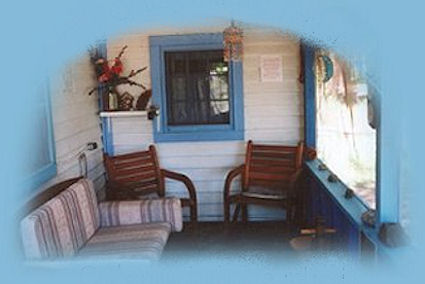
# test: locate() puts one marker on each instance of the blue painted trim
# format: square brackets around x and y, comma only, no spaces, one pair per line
[106,123]
[348,221]
[108,146]
[236,85]
[388,158]
[353,208]
[232,131]
[308,53]
[342,214]
[42,176]
[188,39]
[52,145]
[197,128]
[321,203]
[48,171]
[200,136]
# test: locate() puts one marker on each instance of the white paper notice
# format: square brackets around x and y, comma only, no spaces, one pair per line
[271,68]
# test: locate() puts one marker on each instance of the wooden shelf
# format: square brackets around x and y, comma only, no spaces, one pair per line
[123,113]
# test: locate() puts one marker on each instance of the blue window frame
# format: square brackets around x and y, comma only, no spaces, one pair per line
[163,130]
[41,161]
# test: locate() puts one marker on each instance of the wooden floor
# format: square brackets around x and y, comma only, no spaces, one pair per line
[265,239]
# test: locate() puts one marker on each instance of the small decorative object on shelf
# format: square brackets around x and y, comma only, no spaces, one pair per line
[112,101]
[153,112]
[332,178]
[109,78]
[233,48]
[322,167]
[125,102]
[310,153]
[369,218]
[142,101]
[393,235]
[349,193]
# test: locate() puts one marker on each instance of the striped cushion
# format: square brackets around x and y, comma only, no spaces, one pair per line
[142,241]
[116,213]
[61,226]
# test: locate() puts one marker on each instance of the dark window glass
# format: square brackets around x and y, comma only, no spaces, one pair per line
[197,88]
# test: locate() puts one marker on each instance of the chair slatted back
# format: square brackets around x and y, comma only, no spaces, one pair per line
[271,166]
[139,171]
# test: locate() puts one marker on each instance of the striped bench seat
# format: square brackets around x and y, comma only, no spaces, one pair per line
[73,223]
[144,241]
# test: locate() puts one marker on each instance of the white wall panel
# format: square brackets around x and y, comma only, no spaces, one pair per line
[273,113]
[76,122]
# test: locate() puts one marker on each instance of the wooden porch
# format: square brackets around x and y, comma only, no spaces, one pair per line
[265,239]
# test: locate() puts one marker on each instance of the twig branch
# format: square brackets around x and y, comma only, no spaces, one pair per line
[122,51]
[92,90]
[132,83]
[111,84]
[134,73]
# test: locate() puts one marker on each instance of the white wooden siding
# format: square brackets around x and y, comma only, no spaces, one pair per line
[76,122]
[273,114]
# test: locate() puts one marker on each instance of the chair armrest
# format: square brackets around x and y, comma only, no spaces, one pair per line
[191,201]
[115,213]
[184,179]
[230,177]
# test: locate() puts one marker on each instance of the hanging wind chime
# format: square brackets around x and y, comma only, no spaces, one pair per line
[233,49]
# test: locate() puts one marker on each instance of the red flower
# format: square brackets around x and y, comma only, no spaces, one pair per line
[117,67]
[109,72]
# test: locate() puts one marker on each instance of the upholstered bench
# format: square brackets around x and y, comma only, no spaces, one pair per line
[74,224]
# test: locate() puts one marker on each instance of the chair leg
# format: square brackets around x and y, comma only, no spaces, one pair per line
[236,214]
[244,213]
[290,214]
[193,213]
[226,211]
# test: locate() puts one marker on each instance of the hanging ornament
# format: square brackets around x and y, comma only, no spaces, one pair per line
[325,67]
[233,49]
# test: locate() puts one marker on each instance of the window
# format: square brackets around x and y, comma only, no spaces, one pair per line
[197,86]
[199,94]
[346,142]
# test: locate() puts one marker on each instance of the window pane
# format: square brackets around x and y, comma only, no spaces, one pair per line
[178,87]
[345,141]
[197,88]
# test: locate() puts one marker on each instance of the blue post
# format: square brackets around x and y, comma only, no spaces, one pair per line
[388,156]
[105,123]
[308,54]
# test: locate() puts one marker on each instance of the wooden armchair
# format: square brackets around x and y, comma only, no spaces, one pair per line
[268,178]
[137,175]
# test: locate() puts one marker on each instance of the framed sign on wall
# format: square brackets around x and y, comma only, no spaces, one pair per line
[271,68]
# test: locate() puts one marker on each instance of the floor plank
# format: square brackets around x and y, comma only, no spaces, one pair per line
[254,238]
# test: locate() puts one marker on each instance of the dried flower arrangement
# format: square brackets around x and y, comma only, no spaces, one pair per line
[109,78]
